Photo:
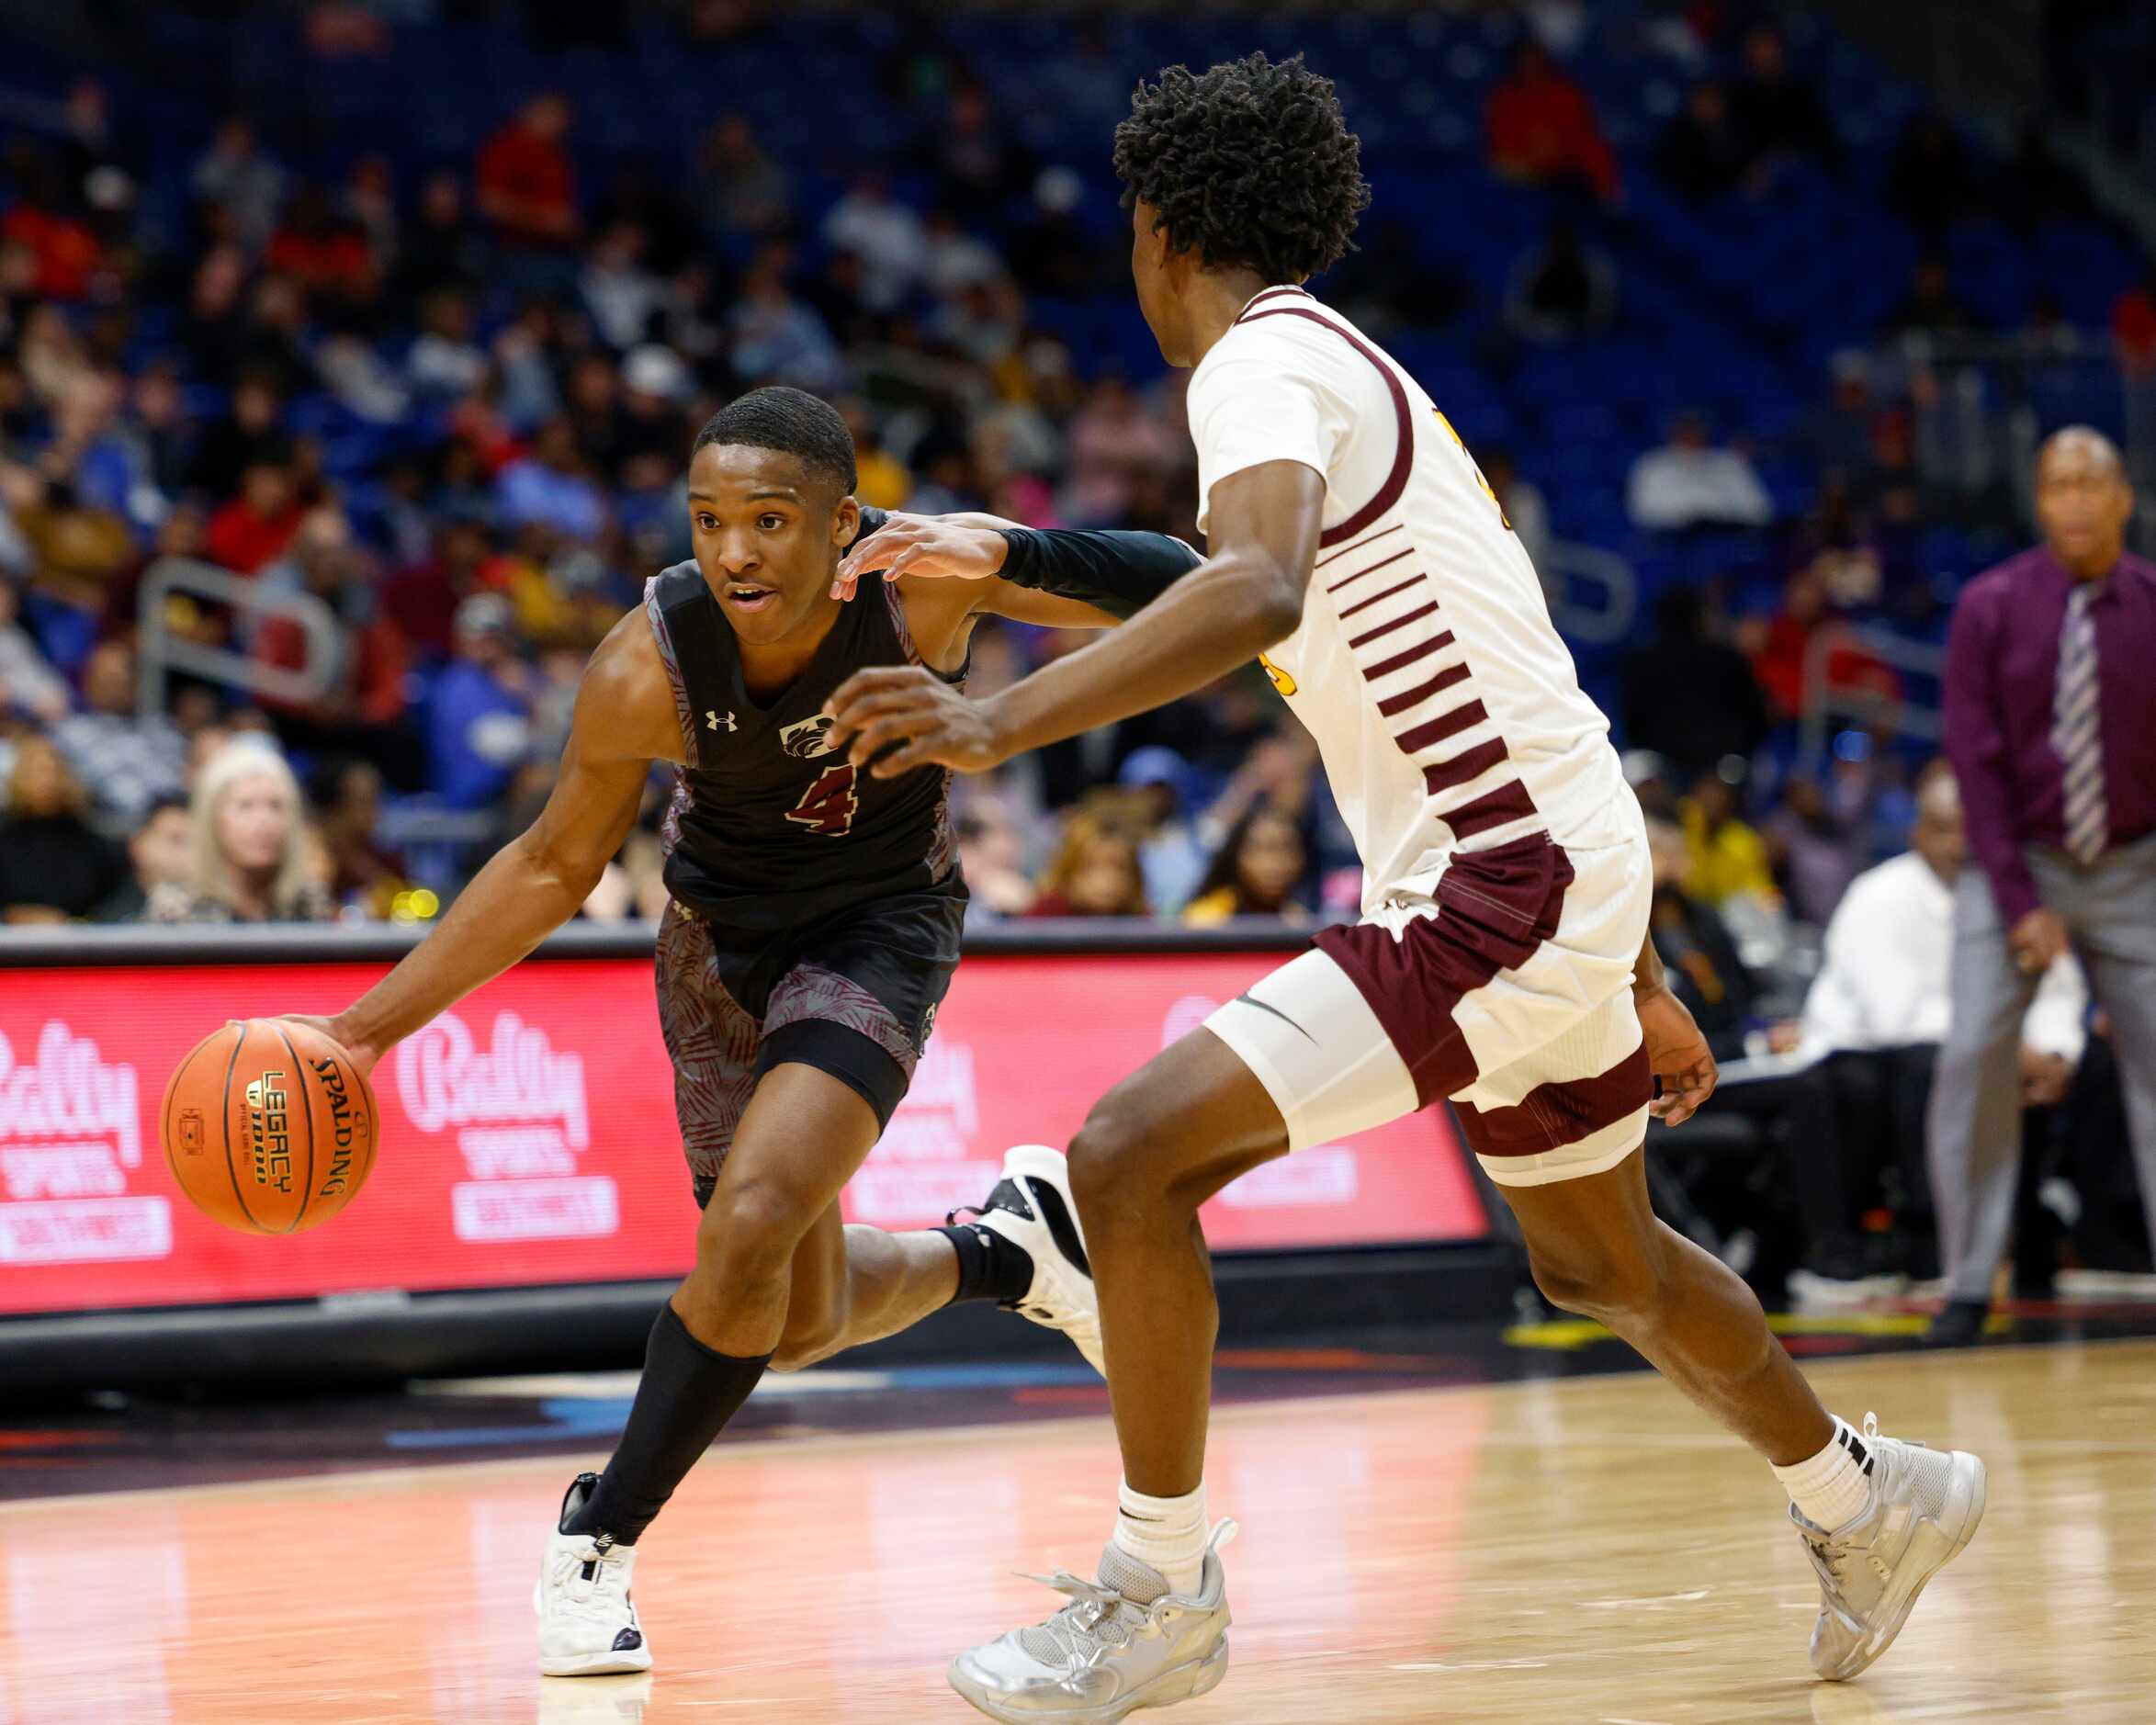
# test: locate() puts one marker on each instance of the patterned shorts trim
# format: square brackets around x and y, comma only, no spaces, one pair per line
[813,1012]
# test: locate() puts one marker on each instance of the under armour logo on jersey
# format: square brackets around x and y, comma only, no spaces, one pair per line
[712,721]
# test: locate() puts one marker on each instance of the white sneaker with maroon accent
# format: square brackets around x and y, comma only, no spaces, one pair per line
[587,1625]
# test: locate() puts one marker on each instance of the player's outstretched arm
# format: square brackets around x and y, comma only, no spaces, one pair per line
[1240,600]
[1062,577]
[625,718]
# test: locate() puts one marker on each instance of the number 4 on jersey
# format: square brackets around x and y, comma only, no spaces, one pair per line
[827,805]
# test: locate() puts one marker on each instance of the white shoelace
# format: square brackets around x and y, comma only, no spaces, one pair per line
[599,1597]
[1097,1617]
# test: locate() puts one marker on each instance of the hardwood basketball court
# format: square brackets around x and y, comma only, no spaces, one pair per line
[1562,1550]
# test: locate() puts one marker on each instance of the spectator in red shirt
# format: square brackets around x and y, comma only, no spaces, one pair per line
[526,186]
[366,659]
[2133,326]
[422,601]
[315,248]
[67,250]
[256,526]
[1780,650]
[1542,127]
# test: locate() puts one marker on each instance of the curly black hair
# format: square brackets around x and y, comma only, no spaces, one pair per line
[790,420]
[1251,163]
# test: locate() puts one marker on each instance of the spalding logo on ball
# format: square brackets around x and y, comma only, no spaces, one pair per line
[268,1127]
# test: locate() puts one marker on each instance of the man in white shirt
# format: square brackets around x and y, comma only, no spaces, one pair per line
[1501,960]
[1689,483]
[887,236]
[1873,1023]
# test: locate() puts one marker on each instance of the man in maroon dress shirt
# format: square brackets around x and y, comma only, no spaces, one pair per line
[2050,722]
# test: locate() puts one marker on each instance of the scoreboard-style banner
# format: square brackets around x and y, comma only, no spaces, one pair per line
[528,1136]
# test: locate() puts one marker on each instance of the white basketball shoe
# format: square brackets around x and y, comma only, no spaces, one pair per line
[587,1626]
[1122,1642]
[1923,1510]
[1032,1207]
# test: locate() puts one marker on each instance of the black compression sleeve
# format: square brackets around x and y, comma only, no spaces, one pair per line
[1120,572]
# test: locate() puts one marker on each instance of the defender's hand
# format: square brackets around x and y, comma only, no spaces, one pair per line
[922,545]
[904,704]
[1678,1054]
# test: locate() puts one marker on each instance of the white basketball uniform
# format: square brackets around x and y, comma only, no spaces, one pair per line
[1506,873]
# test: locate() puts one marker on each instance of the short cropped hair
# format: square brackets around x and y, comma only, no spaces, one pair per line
[788,419]
[1252,164]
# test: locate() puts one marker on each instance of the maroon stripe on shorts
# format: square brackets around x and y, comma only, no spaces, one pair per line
[1463,767]
[1400,622]
[1445,724]
[1383,562]
[1350,550]
[1404,448]
[1509,801]
[1550,1116]
[1364,604]
[1495,908]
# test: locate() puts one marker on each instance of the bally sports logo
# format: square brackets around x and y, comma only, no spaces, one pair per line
[70,1133]
[521,1119]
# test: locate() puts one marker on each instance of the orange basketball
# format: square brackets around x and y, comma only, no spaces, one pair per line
[268,1127]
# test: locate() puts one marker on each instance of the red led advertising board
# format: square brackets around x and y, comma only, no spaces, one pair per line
[528,1135]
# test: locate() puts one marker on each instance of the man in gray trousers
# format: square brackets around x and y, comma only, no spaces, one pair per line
[2050,722]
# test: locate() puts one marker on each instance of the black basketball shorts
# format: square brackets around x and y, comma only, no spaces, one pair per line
[853,995]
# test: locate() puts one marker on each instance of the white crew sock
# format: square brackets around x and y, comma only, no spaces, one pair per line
[1166,1533]
[1831,1488]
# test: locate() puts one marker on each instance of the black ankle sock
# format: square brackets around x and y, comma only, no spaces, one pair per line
[989,1266]
[687,1395]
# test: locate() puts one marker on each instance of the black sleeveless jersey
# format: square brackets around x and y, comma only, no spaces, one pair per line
[769,829]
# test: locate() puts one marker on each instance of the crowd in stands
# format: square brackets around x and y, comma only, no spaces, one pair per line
[454,407]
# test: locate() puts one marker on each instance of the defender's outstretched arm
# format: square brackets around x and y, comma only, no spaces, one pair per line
[1246,597]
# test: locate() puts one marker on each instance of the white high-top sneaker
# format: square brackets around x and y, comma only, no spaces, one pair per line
[1925,1507]
[1032,1208]
[1123,1643]
[587,1626]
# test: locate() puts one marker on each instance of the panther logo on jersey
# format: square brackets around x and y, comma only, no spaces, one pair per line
[809,738]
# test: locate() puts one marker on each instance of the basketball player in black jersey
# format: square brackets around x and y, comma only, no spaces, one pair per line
[813,929]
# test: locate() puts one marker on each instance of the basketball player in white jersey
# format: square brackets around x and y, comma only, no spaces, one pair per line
[1501,959]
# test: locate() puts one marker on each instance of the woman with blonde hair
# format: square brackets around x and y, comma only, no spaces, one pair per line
[247,851]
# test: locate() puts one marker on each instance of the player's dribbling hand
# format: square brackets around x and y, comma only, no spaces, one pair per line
[913,707]
[954,546]
[362,1055]
[1678,1054]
